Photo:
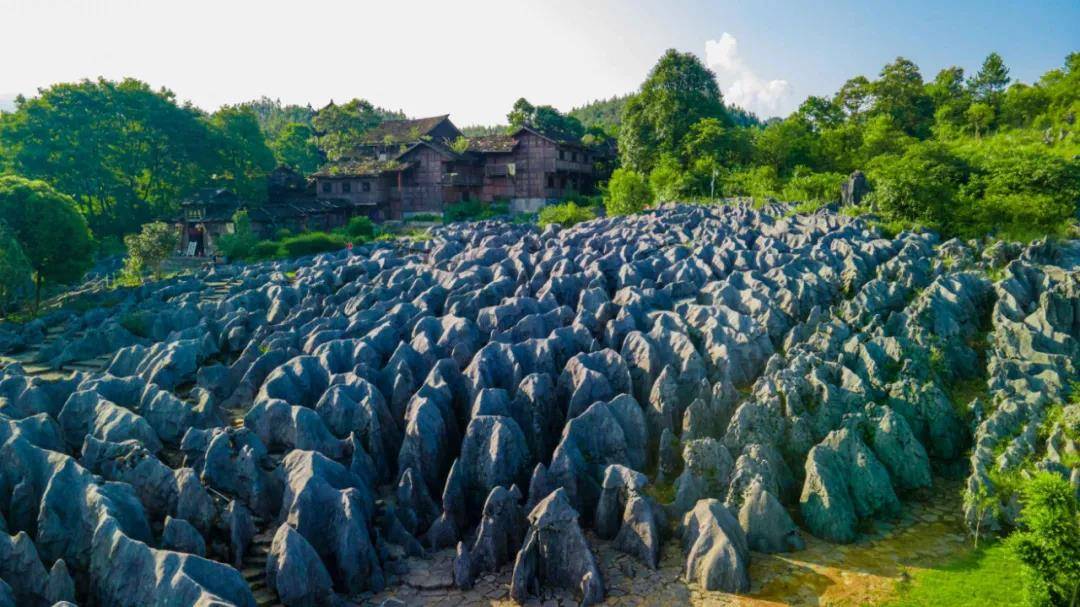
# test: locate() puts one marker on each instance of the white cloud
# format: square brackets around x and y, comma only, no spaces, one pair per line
[740,84]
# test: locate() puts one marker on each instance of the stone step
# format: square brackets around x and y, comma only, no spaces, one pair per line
[253,573]
[265,598]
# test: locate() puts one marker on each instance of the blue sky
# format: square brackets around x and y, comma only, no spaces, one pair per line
[473,58]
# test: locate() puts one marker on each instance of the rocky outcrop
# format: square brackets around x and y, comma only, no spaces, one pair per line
[717,554]
[556,553]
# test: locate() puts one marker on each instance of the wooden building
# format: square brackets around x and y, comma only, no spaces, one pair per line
[411,167]
[291,205]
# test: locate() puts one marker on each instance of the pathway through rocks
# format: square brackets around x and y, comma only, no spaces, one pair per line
[928,534]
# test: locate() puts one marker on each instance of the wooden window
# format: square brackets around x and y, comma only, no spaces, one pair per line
[366,186]
[562,154]
[346,187]
[550,181]
[327,187]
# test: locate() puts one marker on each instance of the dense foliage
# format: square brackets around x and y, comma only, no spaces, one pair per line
[1049,544]
[127,153]
[565,215]
[50,231]
[241,242]
[627,192]
[148,249]
[603,113]
[340,127]
[15,271]
[967,156]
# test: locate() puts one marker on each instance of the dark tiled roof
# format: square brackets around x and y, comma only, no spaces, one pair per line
[361,167]
[403,131]
[552,134]
[209,197]
[301,207]
[492,144]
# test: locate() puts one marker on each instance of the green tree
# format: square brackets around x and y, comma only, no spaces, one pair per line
[821,113]
[15,270]
[990,82]
[605,114]
[759,183]
[273,116]
[148,249]
[545,119]
[711,138]
[668,180]
[244,159]
[899,92]
[881,136]
[341,128]
[979,115]
[786,144]
[125,152]
[1049,543]
[678,92]
[627,192]
[241,242]
[922,185]
[1022,105]
[949,97]
[855,96]
[295,146]
[52,234]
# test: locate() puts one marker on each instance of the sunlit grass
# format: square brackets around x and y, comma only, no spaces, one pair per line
[986,577]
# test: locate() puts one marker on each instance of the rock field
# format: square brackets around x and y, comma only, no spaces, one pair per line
[643,406]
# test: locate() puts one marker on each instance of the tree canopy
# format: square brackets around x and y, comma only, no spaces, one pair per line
[545,119]
[128,153]
[52,234]
[678,92]
[341,127]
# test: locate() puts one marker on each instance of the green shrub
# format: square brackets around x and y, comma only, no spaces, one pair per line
[310,243]
[1021,217]
[758,183]
[137,323]
[148,249]
[361,228]
[15,271]
[627,192]
[240,243]
[475,210]
[922,185]
[426,217]
[1021,192]
[813,187]
[669,181]
[1049,544]
[265,249]
[566,214]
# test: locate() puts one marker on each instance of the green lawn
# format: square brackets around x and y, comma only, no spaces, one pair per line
[990,576]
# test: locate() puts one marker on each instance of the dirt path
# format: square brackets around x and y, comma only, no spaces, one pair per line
[866,572]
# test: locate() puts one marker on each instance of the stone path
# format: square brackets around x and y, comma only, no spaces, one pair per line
[864,573]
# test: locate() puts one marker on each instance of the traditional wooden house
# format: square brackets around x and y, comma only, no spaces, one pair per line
[291,205]
[411,167]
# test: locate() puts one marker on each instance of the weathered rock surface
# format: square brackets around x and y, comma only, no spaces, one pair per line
[369,405]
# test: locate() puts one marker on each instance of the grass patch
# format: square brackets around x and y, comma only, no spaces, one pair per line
[988,576]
